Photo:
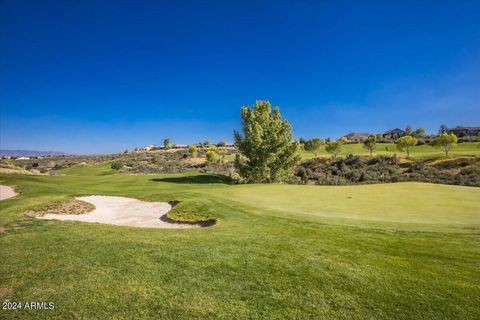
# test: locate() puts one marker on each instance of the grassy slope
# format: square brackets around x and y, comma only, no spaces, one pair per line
[276,252]
[424,151]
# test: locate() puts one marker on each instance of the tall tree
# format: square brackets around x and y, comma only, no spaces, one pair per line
[370,144]
[445,142]
[267,150]
[167,143]
[443,129]
[313,145]
[420,133]
[409,130]
[334,148]
[406,143]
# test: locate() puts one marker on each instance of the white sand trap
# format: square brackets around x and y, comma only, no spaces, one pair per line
[6,192]
[123,211]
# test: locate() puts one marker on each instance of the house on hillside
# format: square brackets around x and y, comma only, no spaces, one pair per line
[148,148]
[464,131]
[225,145]
[357,136]
[393,134]
[180,146]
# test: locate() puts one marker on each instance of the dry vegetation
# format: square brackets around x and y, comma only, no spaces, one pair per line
[358,169]
[70,206]
[384,169]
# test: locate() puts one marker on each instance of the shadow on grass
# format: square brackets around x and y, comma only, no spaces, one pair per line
[202,224]
[199,179]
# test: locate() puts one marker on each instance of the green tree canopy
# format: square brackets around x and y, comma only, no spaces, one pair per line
[116,165]
[167,143]
[267,150]
[207,144]
[420,132]
[409,131]
[443,129]
[445,142]
[313,145]
[370,144]
[406,143]
[333,147]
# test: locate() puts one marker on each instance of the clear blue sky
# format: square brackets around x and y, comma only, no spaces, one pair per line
[101,76]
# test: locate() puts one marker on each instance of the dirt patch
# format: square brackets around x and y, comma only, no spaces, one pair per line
[196,160]
[70,207]
[3,229]
[123,211]
[6,292]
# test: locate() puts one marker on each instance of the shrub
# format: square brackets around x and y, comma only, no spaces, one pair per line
[351,170]
[193,150]
[212,157]
[117,165]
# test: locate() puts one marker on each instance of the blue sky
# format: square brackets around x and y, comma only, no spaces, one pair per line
[102,76]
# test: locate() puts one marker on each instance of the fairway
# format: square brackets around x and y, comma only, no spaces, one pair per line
[406,250]
[389,149]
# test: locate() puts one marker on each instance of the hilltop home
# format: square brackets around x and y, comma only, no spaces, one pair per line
[148,148]
[394,134]
[180,146]
[357,136]
[464,131]
[227,145]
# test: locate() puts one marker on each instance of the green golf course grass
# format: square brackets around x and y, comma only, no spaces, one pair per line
[389,149]
[403,251]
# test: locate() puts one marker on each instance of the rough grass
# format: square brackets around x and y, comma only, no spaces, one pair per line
[403,251]
[193,211]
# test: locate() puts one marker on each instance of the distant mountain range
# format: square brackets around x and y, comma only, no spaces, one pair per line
[29,153]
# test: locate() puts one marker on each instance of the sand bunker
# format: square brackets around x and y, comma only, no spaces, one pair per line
[123,211]
[6,192]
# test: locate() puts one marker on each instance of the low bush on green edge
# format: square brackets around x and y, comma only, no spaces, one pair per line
[192,211]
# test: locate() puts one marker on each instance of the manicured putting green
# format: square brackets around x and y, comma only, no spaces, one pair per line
[396,202]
